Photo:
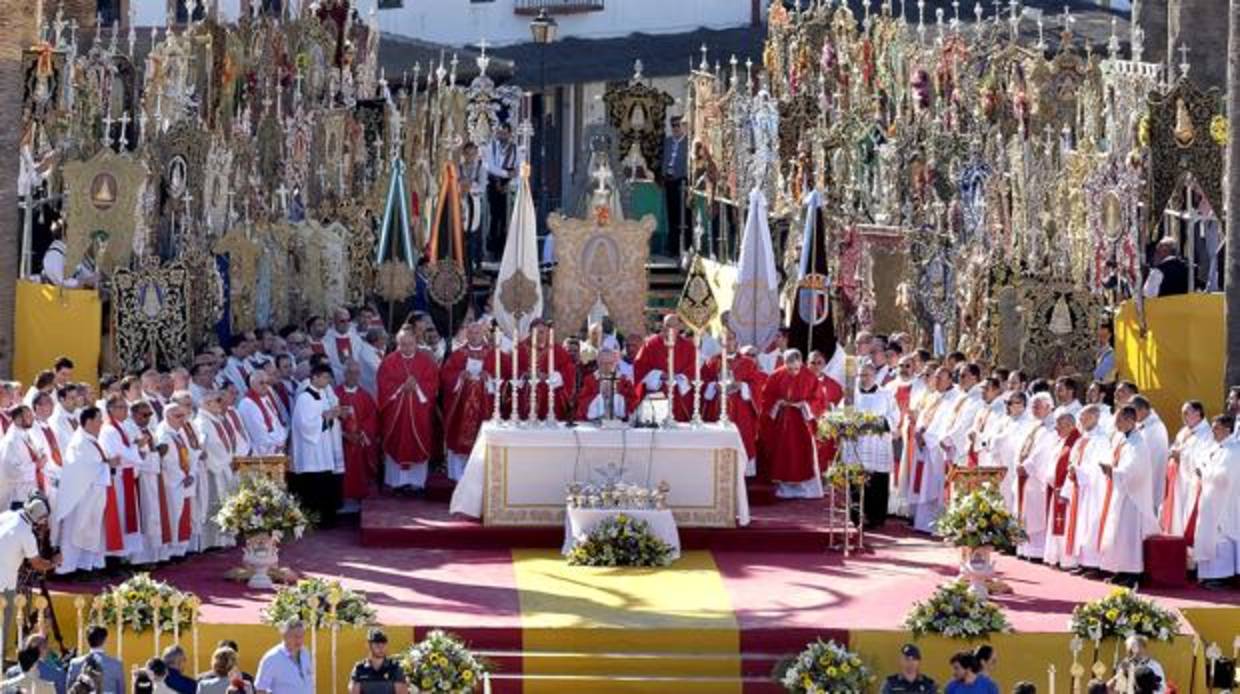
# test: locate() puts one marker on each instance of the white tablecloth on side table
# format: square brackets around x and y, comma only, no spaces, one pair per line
[519,476]
[580,521]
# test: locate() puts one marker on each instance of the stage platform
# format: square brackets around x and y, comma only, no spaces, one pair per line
[719,620]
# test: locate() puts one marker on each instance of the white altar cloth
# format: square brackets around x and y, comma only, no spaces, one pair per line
[519,476]
[581,521]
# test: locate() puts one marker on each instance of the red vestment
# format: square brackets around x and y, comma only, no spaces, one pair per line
[361,437]
[1056,504]
[565,406]
[466,403]
[591,388]
[745,414]
[406,420]
[653,357]
[792,460]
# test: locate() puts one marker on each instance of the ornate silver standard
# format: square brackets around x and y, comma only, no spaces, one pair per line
[514,416]
[551,421]
[669,342]
[498,382]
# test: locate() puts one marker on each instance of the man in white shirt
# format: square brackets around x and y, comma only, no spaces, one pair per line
[287,668]
[18,544]
[64,418]
[1154,432]
[49,443]
[237,368]
[315,464]
[84,276]
[501,165]
[1067,398]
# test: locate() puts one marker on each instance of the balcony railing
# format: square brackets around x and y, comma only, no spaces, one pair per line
[532,7]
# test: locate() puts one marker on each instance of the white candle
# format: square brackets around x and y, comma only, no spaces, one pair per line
[550,353]
[697,358]
[1050,679]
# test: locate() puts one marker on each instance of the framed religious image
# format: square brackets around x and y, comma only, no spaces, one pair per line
[273,467]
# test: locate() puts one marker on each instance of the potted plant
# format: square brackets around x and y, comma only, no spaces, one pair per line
[262,513]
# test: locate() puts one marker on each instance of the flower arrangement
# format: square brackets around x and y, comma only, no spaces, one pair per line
[620,540]
[260,506]
[850,424]
[979,519]
[138,595]
[442,663]
[1218,130]
[825,667]
[620,495]
[841,475]
[293,602]
[1121,614]
[956,612]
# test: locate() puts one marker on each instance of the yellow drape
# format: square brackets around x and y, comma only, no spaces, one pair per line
[1180,357]
[51,322]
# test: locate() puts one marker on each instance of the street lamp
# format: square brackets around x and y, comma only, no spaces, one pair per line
[543,30]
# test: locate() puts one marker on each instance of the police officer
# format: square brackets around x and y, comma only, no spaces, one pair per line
[377,673]
[909,679]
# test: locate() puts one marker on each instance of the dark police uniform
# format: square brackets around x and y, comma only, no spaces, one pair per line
[896,684]
[380,680]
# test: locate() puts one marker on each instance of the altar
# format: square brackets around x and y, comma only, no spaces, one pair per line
[519,476]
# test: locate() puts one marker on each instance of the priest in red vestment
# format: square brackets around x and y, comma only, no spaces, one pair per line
[592,398]
[791,397]
[744,383]
[650,369]
[408,385]
[561,379]
[1070,447]
[466,380]
[360,432]
[831,396]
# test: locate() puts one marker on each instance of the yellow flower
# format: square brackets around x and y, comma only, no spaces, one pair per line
[824,661]
[468,675]
[832,672]
[984,508]
[806,681]
[845,669]
[426,684]
[1218,130]
[1112,615]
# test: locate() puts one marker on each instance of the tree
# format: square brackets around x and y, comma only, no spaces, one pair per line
[1232,295]
[17,31]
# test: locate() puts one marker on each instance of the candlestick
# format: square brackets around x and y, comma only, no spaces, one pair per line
[1050,679]
[156,603]
[194,605]
[551,418]
[516,373]
[723,385]
[333,600]
[314,629]
[498,381]
[120,626]
[79,606]
[532,415]
[697,380]
[670,343]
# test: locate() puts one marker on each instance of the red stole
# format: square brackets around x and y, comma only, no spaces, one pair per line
[1025,449]
[233,422]
[165,525]
[903,393]
[129,486]
[972,455]
[38,464]
[344,348]
[282,393]
[225,433]
[114,542]
[921,459]
[262,408]
[1074,508]
[185,525]
[316,346]
[1053,499]
[1106,499]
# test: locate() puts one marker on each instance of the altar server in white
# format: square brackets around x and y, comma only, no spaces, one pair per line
[1215,530]
[316,465]
[1127,515]
[874,451]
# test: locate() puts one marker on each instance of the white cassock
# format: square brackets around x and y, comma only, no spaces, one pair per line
[1106,419]
[1046,474]
[243,447]
[1073,408]
[1217,532]
[156,519]
[117,444]
[369,358]
[64,423]
[901,481]
[340,347]
[180,468]
[262,423]
[1157,444]
[80,506]
[237,372]
[874,452]
[957,437]
[53,449]
[930,468]
[1005,453]
[1039,443]
[1194,446]
[769,361]
[1060,549]
[219,442]
[312,441]
[1129,516]
[987,423]
[1088,490]
[19,457]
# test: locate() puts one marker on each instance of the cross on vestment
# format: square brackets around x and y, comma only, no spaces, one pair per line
[1183,51]
[187,199]
[282,191]
[124,121]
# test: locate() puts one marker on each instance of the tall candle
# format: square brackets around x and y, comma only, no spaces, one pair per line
[499,382]
[723,385]
[550,353]
[1050,679]
[512,415]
